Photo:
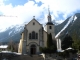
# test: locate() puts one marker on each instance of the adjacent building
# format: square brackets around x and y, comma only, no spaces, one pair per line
[3,47]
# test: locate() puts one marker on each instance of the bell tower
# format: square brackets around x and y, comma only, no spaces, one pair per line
[49,25]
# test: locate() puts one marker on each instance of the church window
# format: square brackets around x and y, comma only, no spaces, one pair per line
[33,23]
[36,35]
[29,35]
[50,27]
[33,35]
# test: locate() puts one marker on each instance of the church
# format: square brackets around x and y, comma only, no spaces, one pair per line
[34,36]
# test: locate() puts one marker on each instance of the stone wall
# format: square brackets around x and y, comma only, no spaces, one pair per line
[12,56]
[57,57]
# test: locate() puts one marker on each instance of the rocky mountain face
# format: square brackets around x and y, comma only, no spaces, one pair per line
[71,25]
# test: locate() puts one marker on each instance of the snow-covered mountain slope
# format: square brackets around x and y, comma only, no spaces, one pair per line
[11,32]
[71,20]
[71,26]
[16,29]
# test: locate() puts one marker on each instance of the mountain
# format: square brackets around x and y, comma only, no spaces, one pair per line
[71,26]
[12,33]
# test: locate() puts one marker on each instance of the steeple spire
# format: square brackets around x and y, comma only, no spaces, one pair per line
[49,16]
[48,11]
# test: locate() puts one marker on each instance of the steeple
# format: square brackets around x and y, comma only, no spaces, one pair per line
[50,26]
[49,16]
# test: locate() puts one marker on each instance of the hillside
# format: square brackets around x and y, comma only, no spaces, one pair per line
[72,28]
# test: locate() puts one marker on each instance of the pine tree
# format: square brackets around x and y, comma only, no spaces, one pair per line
[67,42]
[76,44]
[51,47]
[49,40]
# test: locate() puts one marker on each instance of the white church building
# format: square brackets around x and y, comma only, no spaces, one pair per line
[34,36]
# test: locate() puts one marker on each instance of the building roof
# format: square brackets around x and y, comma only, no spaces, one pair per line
[35,20]
[49,23]
[3,46]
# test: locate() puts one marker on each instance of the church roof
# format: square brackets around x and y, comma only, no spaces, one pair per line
[49,23]
[35,20]
[3,46]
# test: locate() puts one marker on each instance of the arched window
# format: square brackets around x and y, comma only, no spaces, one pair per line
[29,35]
[50,27]
[33,23]
[36,35]
[33,35]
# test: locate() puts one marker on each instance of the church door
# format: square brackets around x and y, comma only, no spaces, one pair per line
[33,49]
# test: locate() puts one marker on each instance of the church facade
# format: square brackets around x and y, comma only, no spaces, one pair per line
[34,36]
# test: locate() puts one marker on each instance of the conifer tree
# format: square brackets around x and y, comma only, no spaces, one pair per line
[51,47]
[76,44]
[67,42]
[49,40]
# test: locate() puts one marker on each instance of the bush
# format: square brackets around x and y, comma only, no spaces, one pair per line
[74,51]
[48,50]
[51,47]
[64,54]
[60,53]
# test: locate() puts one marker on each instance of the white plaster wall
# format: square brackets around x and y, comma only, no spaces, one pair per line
[30,27]
[45,39]
[50,30]
[58,44]
[20,46]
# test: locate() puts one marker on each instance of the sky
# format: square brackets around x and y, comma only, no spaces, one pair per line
[14,12]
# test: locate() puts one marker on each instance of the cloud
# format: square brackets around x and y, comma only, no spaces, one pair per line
[67,7]
[1,2]
[26,12]
[59,21]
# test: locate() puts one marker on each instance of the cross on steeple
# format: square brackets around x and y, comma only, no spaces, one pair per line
[33,17]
